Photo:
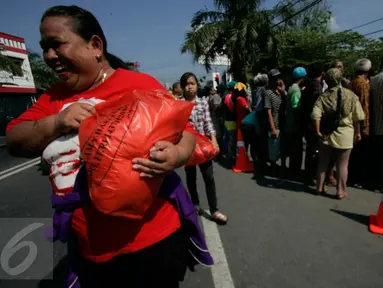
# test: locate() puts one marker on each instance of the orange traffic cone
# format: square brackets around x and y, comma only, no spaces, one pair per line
[242,162]
[376,221]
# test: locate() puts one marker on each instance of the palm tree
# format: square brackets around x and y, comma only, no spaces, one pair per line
[238,29]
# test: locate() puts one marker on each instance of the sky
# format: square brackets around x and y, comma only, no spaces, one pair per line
[152,31]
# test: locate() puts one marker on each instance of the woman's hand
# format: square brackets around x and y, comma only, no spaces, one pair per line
[215,144]
[70,118]
[322,137]
[164,158]
[274,134]
[357,137]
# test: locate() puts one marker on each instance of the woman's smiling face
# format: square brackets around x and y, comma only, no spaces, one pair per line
[70,56]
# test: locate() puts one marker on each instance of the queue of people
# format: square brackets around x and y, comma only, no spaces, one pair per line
[328,124]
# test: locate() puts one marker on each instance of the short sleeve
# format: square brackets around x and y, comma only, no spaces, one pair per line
[317,110]
[242,101]
[268,104]
[358,113]
[295,100]
[41,109]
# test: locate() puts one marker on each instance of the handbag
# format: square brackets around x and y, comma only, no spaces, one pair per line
[274,148]
[330,122]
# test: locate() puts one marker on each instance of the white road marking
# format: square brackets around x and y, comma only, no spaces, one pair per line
[18,168]
[220,271]
[20,165]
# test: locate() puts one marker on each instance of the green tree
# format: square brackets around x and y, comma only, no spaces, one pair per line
[43,76]
[237,29]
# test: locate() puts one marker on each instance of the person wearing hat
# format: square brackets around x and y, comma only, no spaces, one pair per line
[274,73]
[294,129]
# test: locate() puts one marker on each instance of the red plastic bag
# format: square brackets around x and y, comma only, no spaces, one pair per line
[122,129]
[204,150]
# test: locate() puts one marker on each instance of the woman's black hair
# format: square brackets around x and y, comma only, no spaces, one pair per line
[185,77]
[86,26]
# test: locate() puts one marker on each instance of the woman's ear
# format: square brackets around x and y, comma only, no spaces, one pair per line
[97,47]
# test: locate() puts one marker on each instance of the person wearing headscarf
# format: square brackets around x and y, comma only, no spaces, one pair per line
[337,114]
[241,104]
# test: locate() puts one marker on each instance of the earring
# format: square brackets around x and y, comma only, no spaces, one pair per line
[98,57]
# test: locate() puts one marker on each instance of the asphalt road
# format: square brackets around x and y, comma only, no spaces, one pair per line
[7,161]
[278,235]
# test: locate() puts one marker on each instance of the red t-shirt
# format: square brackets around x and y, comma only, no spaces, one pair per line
[241,109]
[228,102]
[101,236]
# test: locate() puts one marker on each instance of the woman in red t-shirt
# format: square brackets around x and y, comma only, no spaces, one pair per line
[242,108]
[114,251]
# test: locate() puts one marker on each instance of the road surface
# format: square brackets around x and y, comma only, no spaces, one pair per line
[278,235]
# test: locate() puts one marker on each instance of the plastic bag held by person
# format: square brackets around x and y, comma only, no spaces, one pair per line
[204,150]
[124,128]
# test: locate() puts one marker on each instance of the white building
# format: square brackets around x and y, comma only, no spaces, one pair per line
[16,82]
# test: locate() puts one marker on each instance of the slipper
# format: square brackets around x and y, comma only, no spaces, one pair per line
[219,218]
[341,196]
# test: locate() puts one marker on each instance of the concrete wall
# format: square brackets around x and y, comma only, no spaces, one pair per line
[26,80]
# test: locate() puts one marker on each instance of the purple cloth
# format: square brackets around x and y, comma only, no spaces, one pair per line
[172,188]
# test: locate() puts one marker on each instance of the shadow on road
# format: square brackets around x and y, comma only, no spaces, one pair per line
[223,162]
[362,219]
[284,185]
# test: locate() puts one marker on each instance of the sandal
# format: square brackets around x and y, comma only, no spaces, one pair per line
[340,196]
[219,218]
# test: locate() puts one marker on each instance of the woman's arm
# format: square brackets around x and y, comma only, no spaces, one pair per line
[28,139]
[317,127]
[209,126]
[185,147]
[271,122]
[316,116]
[207,120]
